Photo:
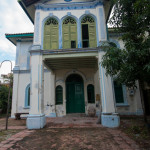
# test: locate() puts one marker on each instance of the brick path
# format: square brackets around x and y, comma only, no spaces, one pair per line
[4,145]
[13,127]
[70,134]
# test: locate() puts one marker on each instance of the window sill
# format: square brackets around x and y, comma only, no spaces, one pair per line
[26,107]
[122,105]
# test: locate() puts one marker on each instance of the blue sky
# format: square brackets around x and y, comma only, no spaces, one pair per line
[12,20]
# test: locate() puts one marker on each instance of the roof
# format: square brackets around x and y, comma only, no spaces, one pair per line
[19,36]
[29,2]
[29,7]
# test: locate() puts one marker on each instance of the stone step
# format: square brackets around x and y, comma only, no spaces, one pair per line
[76,115]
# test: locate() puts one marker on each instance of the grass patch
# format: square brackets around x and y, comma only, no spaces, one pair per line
[136,129]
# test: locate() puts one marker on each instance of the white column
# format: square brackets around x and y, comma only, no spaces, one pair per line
[36,118]
[52,90]
[109,117]
[15,95]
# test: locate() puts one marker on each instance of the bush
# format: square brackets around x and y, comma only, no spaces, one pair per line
[4,90]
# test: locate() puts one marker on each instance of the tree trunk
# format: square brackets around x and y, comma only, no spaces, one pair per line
[143,102]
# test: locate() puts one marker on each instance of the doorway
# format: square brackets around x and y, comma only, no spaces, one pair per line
[75,94]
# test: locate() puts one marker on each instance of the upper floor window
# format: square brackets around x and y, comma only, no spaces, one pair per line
[69,31]
[88,27]
[51,34]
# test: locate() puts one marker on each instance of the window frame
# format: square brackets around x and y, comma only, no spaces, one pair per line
[56,101]
[125,103]
[56,22]
[95,28]
[93,101]
[27,97]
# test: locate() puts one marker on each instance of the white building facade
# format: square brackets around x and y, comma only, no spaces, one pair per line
[58,67]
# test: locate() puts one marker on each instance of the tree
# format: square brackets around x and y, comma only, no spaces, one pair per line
[131,64]
[4,90]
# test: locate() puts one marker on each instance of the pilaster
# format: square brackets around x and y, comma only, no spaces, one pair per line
[36,118]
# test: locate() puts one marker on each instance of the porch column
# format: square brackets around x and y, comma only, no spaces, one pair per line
[36,118]
[52,104]
[108,118]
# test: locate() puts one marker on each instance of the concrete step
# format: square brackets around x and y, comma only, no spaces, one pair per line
[76,115]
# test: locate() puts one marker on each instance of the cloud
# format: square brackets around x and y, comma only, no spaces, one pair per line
[12,20]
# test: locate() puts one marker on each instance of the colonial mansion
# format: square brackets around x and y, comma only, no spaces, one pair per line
[58,67]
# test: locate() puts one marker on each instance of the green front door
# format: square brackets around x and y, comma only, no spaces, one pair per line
[75,94]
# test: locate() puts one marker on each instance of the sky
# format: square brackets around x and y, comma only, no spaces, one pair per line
[12,20]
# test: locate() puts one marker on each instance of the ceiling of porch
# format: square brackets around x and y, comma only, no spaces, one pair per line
[54,63]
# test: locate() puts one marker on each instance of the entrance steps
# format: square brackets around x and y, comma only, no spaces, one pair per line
[76,115]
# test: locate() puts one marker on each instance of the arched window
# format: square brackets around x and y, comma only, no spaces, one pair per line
[69,30]
[27,96]
[90,93]
[59,95]
[51,34]
[88,27]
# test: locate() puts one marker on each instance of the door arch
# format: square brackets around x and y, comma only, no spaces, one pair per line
[75,94]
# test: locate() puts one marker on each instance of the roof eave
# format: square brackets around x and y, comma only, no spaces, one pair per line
[25,10]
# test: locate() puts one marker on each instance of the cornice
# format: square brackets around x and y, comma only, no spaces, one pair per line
[69,6]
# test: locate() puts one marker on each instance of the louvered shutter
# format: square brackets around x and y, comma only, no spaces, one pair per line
[92,35]
[47,37]
[51,34]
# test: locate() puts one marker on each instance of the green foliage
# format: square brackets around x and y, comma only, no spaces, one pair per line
[4,90]
[132,18]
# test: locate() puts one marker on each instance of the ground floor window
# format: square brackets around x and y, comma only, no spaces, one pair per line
[120,94]
[59,95]
[90,93]
[27,96]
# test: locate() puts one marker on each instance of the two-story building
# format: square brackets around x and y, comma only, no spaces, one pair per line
[58,67]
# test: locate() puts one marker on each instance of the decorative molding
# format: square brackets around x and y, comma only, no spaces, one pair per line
[102,24]
[21,71]
[69,6]
[87,12]
[37,29]
[115,41]
[67,0]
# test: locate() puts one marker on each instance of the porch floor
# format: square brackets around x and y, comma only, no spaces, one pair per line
[72,121]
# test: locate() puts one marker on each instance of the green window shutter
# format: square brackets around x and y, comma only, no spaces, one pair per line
[118,92]
[47,37]
[59,95]
[51,34]
[54,37]
[92,35]
[90,93]
[66,39]
[69,33]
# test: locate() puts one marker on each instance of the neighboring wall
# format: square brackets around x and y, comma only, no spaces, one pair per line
[23,55]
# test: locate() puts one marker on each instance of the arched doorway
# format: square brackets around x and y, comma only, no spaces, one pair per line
[75,94]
